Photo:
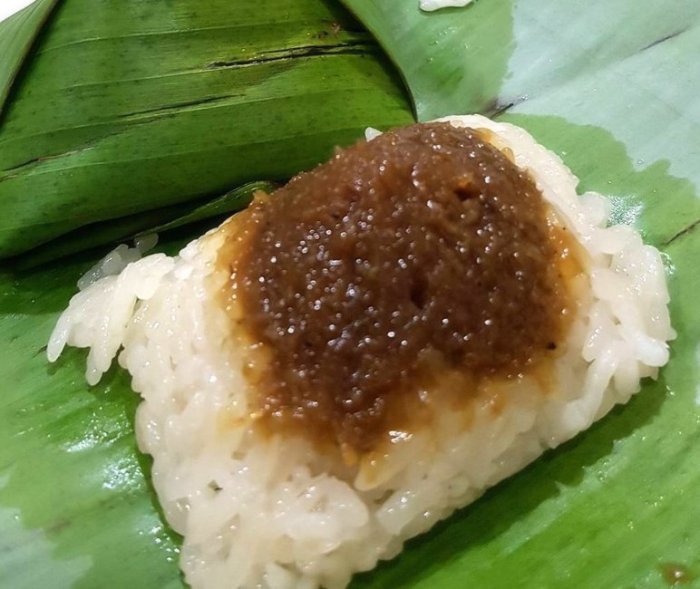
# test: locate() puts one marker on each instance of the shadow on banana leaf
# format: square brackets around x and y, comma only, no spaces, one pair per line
[182,219]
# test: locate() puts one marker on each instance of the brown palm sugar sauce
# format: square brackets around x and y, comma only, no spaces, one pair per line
[422,252]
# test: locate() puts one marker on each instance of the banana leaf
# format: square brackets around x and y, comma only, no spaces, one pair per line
[614,92]
[126,107]
[158,221]
[16,40]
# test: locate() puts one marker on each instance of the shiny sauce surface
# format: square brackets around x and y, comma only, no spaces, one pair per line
[423,252]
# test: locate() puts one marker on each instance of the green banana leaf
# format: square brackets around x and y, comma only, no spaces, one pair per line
[16,41]
[126,107]
[104,232]
[613,90]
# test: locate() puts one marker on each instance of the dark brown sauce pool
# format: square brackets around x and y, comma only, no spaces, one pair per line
[423,252]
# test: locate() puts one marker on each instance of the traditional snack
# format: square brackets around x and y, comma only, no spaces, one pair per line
[355,356]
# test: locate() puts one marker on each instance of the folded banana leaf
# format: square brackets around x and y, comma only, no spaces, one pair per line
[611,87]
[17,37]
[124,107]
[149,222]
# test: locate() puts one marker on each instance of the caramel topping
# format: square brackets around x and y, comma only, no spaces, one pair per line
[421,252]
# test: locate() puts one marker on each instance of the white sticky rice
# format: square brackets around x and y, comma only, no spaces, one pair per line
[270,512]
[430,5]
